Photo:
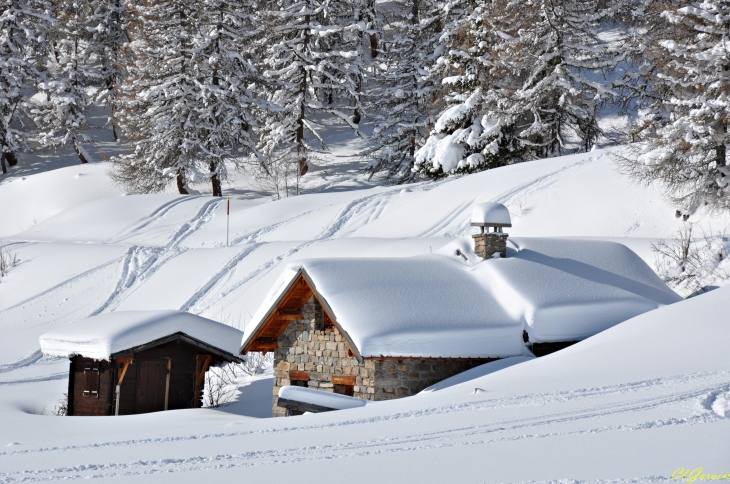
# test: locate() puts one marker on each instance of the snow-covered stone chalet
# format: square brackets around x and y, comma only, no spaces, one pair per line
[384,328]
[132,362]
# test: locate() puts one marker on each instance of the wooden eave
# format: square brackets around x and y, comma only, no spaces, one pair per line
[288,308]
[183,338]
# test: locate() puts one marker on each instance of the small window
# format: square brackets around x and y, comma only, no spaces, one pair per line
[91,380]
[348,390]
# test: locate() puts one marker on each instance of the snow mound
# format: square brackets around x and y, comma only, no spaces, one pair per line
[318,397]
[434,306]
[101,336]
[461,380]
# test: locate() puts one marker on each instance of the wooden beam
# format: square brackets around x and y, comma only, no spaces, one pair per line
[343,380]
[298,375]
[289,314]
[123,370]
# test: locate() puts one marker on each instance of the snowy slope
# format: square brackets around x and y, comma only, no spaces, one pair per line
[632,404]
[89,251]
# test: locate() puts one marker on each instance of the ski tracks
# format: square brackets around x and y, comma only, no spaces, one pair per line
[585,419]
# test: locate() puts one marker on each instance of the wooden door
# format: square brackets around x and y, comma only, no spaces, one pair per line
[151,385]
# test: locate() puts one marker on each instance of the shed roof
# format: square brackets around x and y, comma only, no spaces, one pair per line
[100,337]
[433,306]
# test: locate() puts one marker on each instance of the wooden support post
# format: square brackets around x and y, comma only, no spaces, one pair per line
[201,366]
[167,381]
[120,378]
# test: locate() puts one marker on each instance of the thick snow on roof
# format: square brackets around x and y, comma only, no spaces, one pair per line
[101,336]
[433,306]
[492,214]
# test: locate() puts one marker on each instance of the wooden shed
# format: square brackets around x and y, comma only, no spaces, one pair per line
[140,362]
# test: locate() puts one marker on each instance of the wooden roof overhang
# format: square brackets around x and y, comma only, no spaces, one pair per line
[288,308]
[183,338]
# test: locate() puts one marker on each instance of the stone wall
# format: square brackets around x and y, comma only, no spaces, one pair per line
[403,378]
[488,244]
[307,346]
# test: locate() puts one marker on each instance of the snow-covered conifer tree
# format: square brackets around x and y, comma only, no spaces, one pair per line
[107,25]
[472,133]
[401,101]
[24,28]
[315,63]
[689,150]
[526,81]
[63,114]
[186,104]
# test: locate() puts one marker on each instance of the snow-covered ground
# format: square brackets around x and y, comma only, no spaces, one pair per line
[635,402]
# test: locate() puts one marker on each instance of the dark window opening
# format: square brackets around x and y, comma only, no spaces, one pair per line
[299,383]
[348,390]
[91,380]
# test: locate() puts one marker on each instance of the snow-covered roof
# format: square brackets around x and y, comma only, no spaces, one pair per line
[101,336]
[434,306]
[491,214]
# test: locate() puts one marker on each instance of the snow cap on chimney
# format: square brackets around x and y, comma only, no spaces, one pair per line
[490,214]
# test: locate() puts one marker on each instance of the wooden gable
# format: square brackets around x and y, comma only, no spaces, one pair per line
[287,309]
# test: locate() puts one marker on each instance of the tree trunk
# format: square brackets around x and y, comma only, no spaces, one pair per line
[78,152]
[181,182]
[217,190]
[2,162]
[12,159]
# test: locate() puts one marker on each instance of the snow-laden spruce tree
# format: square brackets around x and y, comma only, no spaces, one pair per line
[107,24]
[472,133]
[24,26]
[314,56]
[63,112]
[186,104]
[527,82]
[401,100]
[691,89]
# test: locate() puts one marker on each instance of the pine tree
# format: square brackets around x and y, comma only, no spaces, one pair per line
[472,133]
[315,63]
[186,103]
[107,23]
[63,115]
[523,82]
[401,101]
[687,151]
[24,28]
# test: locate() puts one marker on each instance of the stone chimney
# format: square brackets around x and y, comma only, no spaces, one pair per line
[495,216]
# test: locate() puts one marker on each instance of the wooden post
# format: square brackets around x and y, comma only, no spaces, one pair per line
[201,366]
[122,371]
[167,381]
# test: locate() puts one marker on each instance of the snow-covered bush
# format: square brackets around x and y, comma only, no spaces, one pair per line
[7,260]
[692,265]
[222,383]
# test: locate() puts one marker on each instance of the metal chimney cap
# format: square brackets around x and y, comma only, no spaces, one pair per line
[490,214]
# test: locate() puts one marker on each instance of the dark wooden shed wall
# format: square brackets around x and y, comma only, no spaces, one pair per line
[89,405]
[182,375]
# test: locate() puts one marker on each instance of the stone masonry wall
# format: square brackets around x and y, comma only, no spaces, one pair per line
[403,378]
[306,346]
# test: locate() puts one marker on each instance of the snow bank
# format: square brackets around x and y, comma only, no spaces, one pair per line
[101,336]
[476,372]
[434,306]
[318,397]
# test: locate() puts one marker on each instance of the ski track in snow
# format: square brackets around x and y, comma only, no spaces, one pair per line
[705,387]
[31,359]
